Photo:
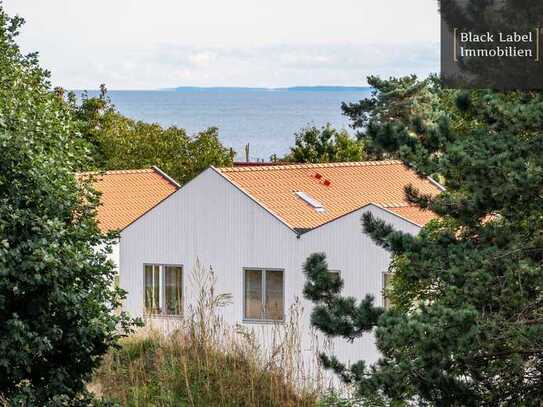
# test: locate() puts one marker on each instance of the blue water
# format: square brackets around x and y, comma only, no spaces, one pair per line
[265,119]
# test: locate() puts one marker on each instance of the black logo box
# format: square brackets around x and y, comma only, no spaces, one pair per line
[483,46]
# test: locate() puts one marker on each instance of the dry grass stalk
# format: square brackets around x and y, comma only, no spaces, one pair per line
[206,362]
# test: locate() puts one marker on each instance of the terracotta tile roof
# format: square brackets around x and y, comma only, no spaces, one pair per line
[340,188]
[414,214]
[128,194]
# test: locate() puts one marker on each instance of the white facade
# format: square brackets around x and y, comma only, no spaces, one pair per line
[213,221]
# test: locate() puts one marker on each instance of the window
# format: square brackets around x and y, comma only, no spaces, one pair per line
[264,295]
[152,289]
[387,278]
[254,303]
[172,287]
[163,289]
[274,295]
[335,274]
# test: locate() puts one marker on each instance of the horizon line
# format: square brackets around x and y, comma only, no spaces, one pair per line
[176,88]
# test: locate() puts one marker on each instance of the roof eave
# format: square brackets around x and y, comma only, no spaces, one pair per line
[166,177]
[304,231]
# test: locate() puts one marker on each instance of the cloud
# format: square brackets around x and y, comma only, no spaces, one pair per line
[201,59]
[287,65]
[148,45]
[168,65]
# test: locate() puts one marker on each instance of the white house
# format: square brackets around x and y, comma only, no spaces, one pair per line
[256,226]
[126,195]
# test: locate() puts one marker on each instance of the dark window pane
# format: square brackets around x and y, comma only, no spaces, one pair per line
[387,278]
[173,290]
[156,289]
[274,295]
[152,289]
[148,288]
[253,294]
[335,275]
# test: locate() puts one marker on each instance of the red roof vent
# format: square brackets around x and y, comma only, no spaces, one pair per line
[327,183]
[318,176]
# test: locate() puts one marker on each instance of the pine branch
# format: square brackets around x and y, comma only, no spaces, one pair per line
[333,314]
[415,197]
[385,235]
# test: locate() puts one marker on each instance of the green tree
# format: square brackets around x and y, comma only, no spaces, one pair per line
[94,115]
[325,145]
[467,325]
[121,143]
[404,105]
[56,284]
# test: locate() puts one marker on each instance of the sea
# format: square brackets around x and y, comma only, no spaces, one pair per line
[265,119]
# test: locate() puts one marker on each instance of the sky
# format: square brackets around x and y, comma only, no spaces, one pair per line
[143,44]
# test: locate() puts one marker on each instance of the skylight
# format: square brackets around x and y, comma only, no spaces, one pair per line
[308,199]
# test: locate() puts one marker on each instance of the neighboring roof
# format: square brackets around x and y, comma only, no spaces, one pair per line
[255,164]
[128,194]
[339,188]
[412,213]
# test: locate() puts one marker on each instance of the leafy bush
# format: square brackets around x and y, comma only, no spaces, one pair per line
[56,287]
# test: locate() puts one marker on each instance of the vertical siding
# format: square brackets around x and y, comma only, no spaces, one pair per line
[361,263]
[211,221]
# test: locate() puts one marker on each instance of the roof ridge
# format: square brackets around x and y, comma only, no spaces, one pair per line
[312,165]
[113,172]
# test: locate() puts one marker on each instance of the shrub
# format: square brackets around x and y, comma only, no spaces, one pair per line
[205,363]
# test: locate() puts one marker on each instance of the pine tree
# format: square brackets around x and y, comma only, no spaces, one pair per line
[466,327]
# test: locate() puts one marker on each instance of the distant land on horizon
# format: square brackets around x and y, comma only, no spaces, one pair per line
[287,89]
[194,89]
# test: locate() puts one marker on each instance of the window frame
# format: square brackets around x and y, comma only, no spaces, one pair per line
[162,290]
[263,283]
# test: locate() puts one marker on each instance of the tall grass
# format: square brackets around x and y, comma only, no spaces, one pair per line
[205,362]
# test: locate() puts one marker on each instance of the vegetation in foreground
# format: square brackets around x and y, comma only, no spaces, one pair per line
[182,370]
[204,362]
[57,295]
